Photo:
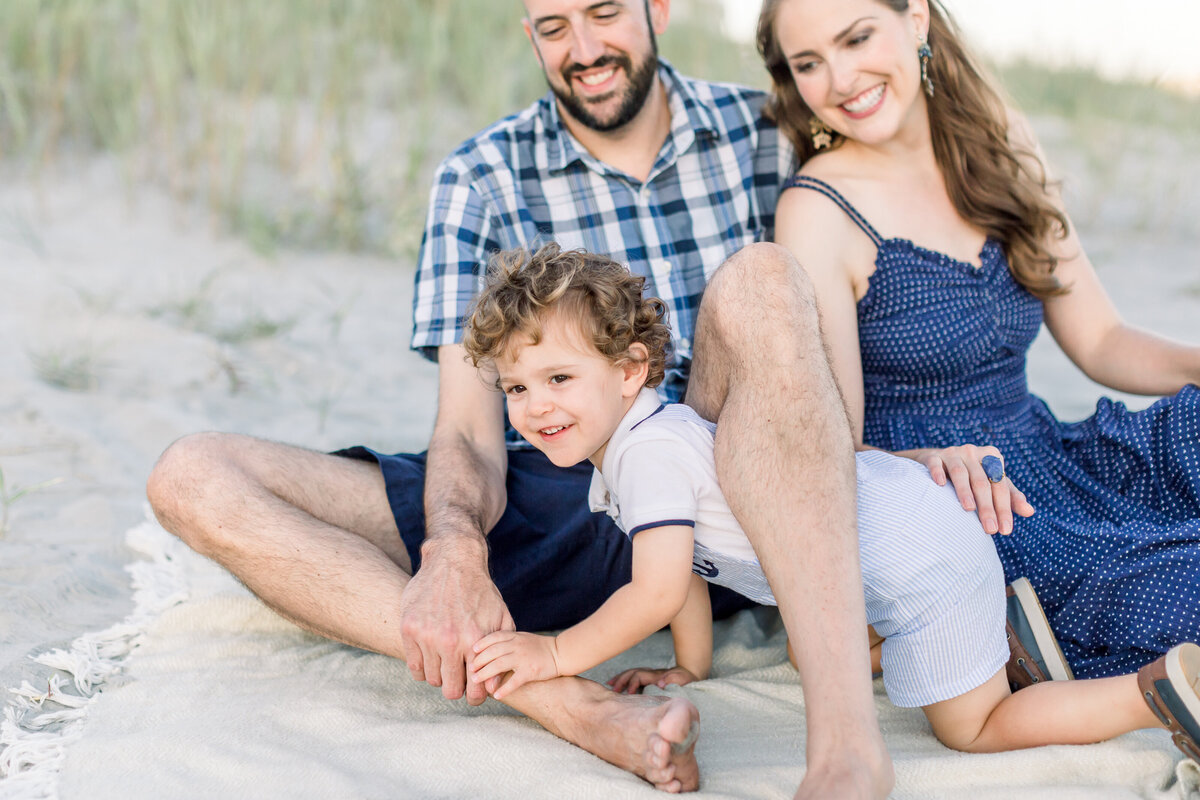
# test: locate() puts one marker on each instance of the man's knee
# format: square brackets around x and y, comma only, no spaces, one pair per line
[761,299]
[177,483]
[761,282]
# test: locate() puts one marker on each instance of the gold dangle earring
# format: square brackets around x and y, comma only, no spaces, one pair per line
[925,55]
[822,134]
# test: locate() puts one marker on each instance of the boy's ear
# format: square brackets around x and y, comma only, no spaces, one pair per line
[636,368]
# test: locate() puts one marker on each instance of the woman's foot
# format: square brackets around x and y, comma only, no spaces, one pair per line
[1171,687]
[1034,654]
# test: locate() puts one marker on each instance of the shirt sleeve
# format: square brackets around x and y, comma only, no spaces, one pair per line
[458,239]
[657,485]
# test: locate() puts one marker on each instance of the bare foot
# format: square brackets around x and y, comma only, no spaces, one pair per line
[649,735]
[652,737]
[865,778]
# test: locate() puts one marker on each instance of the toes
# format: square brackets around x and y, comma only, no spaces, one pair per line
[679,748]
[671,787]
[664,777]
[660,753]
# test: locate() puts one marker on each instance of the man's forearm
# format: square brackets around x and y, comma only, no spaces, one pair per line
[451,602]
[464,492]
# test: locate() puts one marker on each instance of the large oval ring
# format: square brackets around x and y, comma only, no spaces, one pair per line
[993,467]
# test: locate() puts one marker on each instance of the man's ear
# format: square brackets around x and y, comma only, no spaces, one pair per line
[529,35]
[660,15]
[636,368]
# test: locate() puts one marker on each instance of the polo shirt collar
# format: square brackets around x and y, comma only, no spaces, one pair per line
[644,406]
[689,117]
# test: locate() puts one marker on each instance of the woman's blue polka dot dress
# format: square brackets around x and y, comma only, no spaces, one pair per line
[1114,546]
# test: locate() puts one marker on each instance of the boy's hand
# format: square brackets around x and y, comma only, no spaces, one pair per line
[632,681]
[528,656]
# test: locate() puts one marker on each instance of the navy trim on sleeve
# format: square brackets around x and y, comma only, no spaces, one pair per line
[691,523]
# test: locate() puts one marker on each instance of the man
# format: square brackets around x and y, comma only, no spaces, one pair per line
[676,178]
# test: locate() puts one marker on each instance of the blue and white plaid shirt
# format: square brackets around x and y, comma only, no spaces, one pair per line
[526,180]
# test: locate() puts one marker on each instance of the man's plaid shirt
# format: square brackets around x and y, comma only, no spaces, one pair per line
[525,181]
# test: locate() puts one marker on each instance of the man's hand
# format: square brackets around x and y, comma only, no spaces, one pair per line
[528,656]
[996,502]
[632,681]
[448,606]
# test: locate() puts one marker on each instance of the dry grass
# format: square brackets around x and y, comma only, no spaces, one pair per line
[317,122]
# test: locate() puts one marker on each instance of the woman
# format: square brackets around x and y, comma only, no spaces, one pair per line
[922,214]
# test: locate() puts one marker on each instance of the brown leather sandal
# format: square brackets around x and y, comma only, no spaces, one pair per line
[1171,687]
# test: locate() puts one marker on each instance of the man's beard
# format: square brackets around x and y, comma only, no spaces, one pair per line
[641,81]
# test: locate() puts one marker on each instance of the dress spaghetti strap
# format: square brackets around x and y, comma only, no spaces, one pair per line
[805,182]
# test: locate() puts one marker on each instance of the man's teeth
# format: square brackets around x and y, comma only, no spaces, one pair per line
[864,100]
[552,431]
[597,79]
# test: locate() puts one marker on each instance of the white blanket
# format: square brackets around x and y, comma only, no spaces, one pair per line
[220,697]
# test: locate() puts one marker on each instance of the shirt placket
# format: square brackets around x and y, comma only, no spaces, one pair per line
[659,245]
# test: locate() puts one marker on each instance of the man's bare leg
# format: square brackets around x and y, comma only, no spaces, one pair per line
[313,536]
[785,460]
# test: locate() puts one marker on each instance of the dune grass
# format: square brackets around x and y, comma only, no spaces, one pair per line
[1081,95]
[72,367]
[318,122]
[11,494]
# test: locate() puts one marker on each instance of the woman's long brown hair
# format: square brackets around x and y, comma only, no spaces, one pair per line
[992,184]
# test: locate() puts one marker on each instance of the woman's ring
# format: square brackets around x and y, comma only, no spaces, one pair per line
[993,467]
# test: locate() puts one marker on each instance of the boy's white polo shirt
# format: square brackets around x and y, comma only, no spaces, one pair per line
[932,582]
[658,470]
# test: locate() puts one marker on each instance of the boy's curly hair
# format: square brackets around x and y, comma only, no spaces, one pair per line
[602,296]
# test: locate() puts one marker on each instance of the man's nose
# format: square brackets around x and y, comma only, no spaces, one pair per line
[586,47]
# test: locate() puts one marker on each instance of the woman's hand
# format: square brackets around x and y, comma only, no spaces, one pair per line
[963,466]
[632,681]
[528,656]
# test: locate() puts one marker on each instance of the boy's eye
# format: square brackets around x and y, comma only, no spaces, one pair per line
[560,379]
[516,388]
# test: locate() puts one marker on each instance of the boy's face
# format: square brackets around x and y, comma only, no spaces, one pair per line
[565,397]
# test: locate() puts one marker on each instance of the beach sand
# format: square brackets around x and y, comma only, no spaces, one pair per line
[171,328]
[161,324]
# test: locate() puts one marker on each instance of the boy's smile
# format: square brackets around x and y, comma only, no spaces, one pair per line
[564,396]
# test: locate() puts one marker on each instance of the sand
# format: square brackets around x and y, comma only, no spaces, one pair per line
[182,327]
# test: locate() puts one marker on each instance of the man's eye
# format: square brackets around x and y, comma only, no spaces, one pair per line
[551,32]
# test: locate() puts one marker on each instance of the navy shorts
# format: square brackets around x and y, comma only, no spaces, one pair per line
[554,561]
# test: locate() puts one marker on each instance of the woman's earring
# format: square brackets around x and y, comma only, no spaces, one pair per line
[925,54]
[822,134]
